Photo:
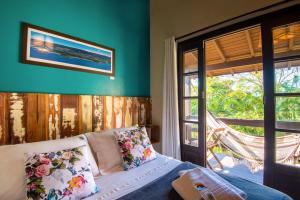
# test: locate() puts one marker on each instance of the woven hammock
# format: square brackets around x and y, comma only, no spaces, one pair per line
[251,148]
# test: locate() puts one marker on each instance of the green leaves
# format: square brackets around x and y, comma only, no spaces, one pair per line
[56,162]
[241,96]
[77,151]
[129,158]
[73,160]
[238,96]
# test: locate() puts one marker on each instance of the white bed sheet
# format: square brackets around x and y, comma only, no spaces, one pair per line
[118,184]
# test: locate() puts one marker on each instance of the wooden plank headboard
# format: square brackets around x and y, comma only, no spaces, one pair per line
[31,117]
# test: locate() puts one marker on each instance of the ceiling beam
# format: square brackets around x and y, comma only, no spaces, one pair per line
[236,63]
[291,41]
[291,44]
[247,61]
[249,40]
[282,52]
[259,41]
[287,54]
[220,52]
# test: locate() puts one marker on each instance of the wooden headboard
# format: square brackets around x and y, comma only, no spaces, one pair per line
[31,117]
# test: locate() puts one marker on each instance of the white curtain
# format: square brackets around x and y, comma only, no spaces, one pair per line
[170,124]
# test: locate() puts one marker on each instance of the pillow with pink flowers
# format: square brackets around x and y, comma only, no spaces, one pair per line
[135,146]
[64,174]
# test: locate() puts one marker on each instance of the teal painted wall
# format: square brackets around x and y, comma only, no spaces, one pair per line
[120,24]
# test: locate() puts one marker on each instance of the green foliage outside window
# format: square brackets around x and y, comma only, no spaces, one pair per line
[240,96]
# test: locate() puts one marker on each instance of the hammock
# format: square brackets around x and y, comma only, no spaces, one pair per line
[251,148]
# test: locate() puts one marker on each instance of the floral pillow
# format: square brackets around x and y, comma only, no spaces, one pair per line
[63,174]
[135,147]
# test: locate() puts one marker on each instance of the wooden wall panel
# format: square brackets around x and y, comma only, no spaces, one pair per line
[85,113]
[128,112]
[17,117]
[98,113]
[108,112]
[142,112]
[69,112]
[36,117]
[54,116]
[4,136]
[31,117]
[136,108]
[147,108]
[118,112]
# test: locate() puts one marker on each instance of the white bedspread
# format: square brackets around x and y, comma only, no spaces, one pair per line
[118,184]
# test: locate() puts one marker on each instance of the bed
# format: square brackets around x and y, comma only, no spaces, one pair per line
[153,181]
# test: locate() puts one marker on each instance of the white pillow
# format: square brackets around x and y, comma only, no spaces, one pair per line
[106,150]
[12,173]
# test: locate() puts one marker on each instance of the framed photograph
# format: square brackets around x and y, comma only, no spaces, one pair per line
[49,48]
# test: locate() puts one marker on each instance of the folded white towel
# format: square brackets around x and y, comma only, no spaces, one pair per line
[202,183]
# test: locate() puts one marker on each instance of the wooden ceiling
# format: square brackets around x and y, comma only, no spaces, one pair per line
[242,51]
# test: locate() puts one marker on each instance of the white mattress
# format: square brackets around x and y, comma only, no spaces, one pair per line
[118,184]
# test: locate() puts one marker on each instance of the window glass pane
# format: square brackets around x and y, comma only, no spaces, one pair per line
[288,113]
[234,102]
[191,85]
[190,61]
[286,40]
[288,149]
[234,53]
[191,109]
[237,97]
[287,76]
[190,131]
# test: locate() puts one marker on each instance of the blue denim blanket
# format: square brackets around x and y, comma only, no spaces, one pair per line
[162,188]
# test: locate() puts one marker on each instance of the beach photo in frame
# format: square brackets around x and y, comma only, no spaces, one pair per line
[46,47]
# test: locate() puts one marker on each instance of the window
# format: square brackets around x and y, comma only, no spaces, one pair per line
[286,42]
[190,97]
